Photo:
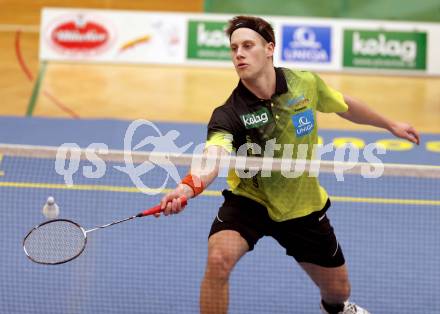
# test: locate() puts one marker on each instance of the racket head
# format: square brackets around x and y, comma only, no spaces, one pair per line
[55,242]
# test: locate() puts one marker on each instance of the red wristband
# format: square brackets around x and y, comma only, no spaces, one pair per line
[194,182]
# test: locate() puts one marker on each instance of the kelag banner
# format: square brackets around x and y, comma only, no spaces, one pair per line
[207,40]
[382,49]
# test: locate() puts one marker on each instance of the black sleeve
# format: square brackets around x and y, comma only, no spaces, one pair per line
[220,122]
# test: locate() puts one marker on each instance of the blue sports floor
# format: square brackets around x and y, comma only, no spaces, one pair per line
[387,228]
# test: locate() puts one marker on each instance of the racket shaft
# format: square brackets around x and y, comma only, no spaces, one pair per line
[110,224]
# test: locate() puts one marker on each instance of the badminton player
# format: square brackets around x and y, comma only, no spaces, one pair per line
[269,104]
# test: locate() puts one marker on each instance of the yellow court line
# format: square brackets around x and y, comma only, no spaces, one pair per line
[127,189]
[378,200]
[79,187]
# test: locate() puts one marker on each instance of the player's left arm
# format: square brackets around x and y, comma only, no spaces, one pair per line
[359,112]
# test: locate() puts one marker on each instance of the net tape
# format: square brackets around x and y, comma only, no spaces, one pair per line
[231,162]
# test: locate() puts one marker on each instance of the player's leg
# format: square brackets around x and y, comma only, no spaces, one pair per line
[332,282]
[225,248]
[334,286]
[239,224]
[312,242]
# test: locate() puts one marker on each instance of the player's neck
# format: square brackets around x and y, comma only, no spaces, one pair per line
[263,86]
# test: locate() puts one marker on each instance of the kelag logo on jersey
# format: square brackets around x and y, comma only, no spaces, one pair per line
[306,44]
[256,119]
[303,122]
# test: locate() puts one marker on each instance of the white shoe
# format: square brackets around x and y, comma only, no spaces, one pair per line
[349,308]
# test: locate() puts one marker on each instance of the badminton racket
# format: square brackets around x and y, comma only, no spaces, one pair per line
[61,240]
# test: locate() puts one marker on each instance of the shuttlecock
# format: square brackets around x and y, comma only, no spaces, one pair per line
[51,209]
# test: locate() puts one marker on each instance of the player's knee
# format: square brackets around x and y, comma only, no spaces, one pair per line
[220,264]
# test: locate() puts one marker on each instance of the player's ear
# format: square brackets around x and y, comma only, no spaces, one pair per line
[270,47]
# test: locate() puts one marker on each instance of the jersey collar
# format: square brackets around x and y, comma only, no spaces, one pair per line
[250,98]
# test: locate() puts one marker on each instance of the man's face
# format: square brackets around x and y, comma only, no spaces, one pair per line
[250,53]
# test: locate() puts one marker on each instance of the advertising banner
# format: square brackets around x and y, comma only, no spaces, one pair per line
[309,44]
[207,41]
[84,35]
[112,36]
[385,49]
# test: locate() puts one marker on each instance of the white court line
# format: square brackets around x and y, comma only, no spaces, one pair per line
[22,27]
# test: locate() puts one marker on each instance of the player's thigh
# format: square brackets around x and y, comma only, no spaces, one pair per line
[226,246]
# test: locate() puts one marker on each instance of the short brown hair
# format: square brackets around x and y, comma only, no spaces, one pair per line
[257,24]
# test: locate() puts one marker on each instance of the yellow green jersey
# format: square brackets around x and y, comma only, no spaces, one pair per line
[284,126]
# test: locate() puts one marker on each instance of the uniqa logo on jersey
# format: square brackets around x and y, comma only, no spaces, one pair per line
[304,122]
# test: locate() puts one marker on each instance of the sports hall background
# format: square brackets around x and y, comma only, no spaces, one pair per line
[388,228]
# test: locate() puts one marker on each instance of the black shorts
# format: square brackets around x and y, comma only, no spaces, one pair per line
[308,239]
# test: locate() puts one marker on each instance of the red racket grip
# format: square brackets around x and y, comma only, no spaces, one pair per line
[156,209]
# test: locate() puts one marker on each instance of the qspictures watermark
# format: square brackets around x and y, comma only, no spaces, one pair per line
[249,160]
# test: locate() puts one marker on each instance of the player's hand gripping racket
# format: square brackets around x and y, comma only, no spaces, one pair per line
[59,241]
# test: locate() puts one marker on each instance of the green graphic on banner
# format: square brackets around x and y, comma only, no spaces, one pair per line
[385,49]
[208,41]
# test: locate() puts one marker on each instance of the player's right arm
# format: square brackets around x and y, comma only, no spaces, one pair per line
[199,177]
[219,143]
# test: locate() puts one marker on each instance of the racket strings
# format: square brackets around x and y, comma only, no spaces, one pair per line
[55,242]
